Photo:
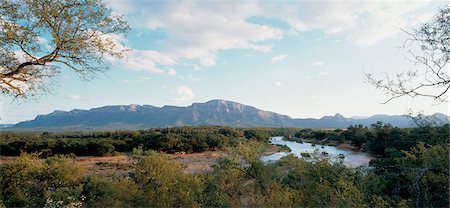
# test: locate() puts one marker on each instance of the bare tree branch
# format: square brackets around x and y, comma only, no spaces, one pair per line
[433,55]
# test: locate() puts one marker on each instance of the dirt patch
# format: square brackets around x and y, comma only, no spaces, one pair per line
[121,165]
[198,162]
[272,149]
[348,146]
[105,165]
[7,159]
[95,165]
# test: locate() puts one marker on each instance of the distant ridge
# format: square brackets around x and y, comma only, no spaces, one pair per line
[214,112]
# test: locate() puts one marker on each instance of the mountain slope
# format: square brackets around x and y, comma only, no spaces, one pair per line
[214,112]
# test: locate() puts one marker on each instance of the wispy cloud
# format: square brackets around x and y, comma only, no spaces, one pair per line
[149,60]
[77,98]
[143,79]
[318,63]
[278,58]
[310,97]
[278,83]
[190,78]
[201,24]
[182,94]
[364,23]
[318,75]
[172,72]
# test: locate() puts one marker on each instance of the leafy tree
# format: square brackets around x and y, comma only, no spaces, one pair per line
[227,184]
[37,37]
[433,41]
[164,183]
[417,176]
[426,171]
[249,151]
[29,181]
[101,192]
[243,180]
[357,134]
[320,183]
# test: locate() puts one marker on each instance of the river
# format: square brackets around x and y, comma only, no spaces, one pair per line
[351,158]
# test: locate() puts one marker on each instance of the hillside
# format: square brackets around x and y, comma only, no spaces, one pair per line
[214,112]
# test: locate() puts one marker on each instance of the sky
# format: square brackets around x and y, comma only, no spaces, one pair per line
[304,59]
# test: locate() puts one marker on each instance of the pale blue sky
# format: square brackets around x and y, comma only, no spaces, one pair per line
[298,58]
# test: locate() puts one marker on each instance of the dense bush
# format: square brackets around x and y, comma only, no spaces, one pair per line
[30,181]
[411,169]
[417,177]
[171,140]
[379,138]
[376,139]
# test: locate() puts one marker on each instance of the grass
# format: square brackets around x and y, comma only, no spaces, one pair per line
[121,164]
[283,148]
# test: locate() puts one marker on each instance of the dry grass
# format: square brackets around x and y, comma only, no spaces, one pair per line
[106,165]
[348,146]
[198,162]
[271,149]
[121,165]
[7,159]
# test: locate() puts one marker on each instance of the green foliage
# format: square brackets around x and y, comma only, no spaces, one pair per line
[164,184]
[100,192]
[213,196]
[226,183]
[426,172]
[357,134]
[29,181]
[418,177]
[255,134]
[411,170]
[79,35]
[250,151]
[284,148]
[170,140]
[243,180]
[320,183]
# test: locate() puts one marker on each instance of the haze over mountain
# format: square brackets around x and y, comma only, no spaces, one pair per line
[214,112]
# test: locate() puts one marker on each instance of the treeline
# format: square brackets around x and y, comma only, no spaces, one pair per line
[377,139]
[239,180]
[411,167]
[411,164]
[170,140]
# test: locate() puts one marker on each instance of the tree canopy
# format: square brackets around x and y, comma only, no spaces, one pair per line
[38,37]
[410,169]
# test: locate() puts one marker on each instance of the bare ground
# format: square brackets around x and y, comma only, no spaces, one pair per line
[121,165]
[271,149]
[198,162]
[348,145]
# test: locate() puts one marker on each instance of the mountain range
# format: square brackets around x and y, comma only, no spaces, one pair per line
[214,112]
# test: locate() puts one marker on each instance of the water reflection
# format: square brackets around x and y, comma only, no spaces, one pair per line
[351,158]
